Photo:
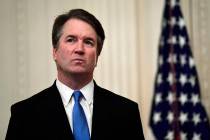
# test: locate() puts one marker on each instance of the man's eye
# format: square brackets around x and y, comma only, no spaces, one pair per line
[71,39]
[89,42]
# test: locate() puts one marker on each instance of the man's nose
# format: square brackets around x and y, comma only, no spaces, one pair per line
[79,47]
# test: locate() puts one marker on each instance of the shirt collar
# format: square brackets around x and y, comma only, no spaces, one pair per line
[66,92]
[87,92]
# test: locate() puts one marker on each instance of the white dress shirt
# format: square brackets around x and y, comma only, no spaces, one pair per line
[86,102]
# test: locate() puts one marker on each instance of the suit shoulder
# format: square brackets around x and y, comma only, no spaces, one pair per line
[32,101]
[116,98]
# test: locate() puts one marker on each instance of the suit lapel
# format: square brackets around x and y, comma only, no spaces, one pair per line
[57,115]
[100,114]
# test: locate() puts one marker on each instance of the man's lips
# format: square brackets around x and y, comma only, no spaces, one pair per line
[78,60]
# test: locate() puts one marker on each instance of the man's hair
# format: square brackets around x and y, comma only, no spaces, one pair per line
[81,15]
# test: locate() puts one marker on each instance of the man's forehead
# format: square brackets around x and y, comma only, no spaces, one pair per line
[77,27]
[74,22]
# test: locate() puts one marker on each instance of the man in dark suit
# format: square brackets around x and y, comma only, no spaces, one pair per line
[77,39]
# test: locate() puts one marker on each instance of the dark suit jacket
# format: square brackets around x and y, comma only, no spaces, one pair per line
[43,117]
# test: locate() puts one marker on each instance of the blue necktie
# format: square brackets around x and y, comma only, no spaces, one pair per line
[80,126]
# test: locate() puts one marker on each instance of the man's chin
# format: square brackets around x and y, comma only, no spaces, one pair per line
[79,71]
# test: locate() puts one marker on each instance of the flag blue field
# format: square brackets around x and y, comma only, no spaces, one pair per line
[177,112]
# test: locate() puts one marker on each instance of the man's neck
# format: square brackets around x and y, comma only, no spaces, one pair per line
[75,82]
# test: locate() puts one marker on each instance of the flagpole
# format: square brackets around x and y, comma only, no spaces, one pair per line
[172,67]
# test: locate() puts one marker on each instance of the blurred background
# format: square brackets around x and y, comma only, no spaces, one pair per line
[128,61]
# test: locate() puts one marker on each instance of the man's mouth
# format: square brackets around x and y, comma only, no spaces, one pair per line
[78,60]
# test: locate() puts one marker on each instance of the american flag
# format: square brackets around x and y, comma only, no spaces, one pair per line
[177,112]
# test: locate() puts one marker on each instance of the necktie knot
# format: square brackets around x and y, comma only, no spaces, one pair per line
[77,95]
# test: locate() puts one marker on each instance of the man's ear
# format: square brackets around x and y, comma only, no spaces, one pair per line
[96,61]
[54,52]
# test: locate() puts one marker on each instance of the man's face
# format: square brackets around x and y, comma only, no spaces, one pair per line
[77,48]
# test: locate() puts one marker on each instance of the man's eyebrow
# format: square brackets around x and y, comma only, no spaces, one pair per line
[89,38]
[70,36]
[85,37]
